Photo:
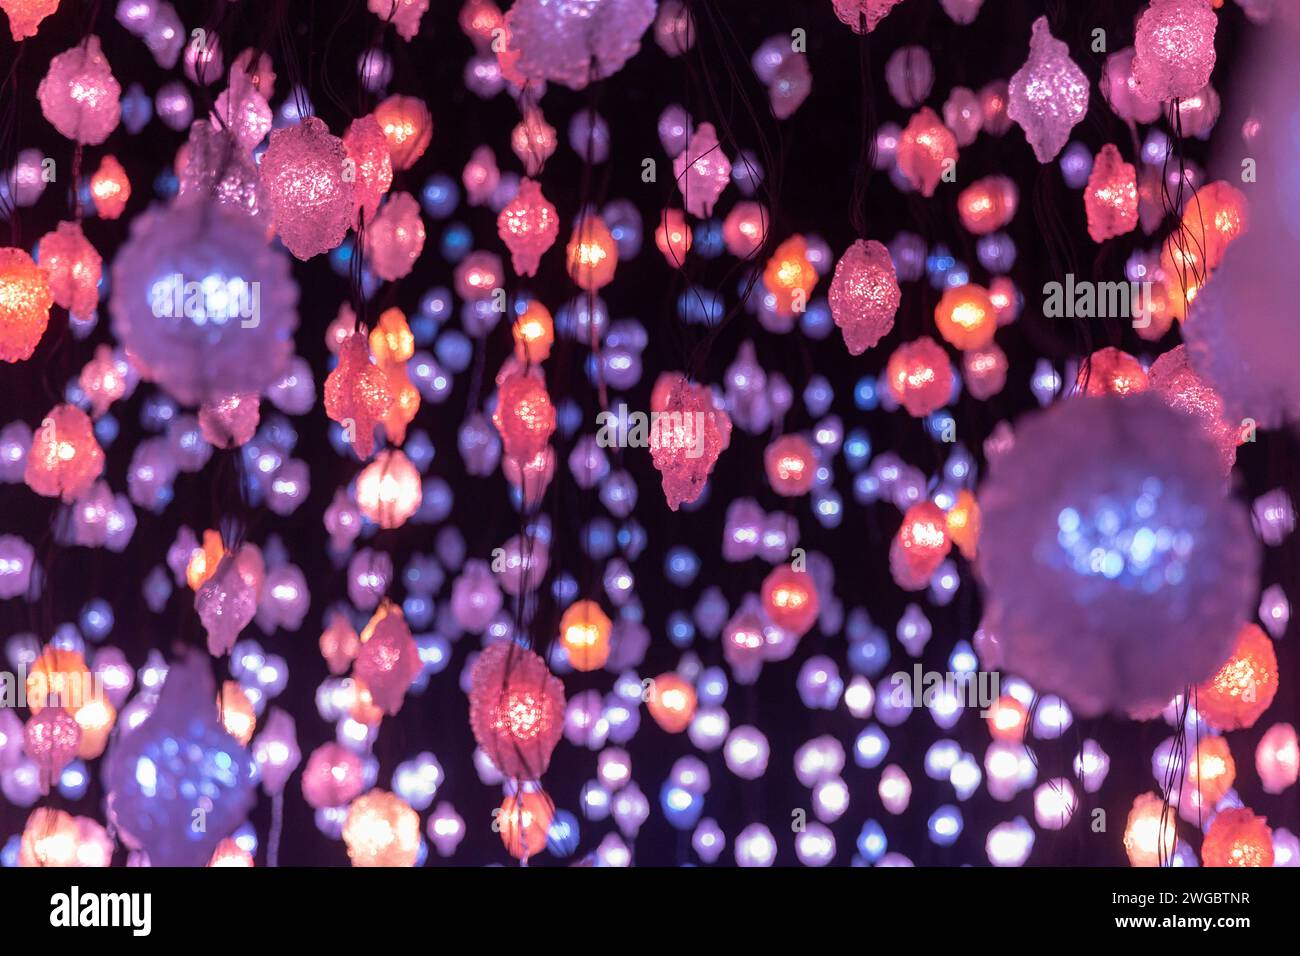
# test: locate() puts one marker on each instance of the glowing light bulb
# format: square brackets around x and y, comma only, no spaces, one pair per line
[25,302]
[584,632]
[110,188]
[592,254]
[671,701]
[1238,838]
[408,127]
[966,317]
[389,489]
[381,829]
[920,376]
[1149,835]
[1243,688]
[926,151]
[528,225]
[790,277]
[791,464]
[534,333]
[673,237]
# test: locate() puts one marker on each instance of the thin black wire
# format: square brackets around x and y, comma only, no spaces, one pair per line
[867,140]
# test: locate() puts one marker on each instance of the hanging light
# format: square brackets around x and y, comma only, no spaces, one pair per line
[389,489]
[584,632]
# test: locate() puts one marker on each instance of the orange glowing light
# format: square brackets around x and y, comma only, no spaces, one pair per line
[584,632]
[1244,686]
[790,276]
[524,822]
[391,340]
[59,678]
[592,254]
[204,560]
[966,317]
[963,523]
[110,189]
[534,333]
[671,701]
[237,713]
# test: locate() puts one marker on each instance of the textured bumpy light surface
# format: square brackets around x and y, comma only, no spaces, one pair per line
[1142,571]
[690,434]
[357,395]
[1114,371]
[854,12]
[388,660]
[396,237]
[516,709]
[230,421]
[73,268]
[926,150]
[701,171]
[235,334]
[311,200]
[25,302]
[472,524]
[1174,48]
[529,226]
[381,829]
[864,295]
[524,416]
[1173,378]
[227,601]
[407,126]
[920,376]
[65,458]
[219,169]
[403,14]
[533,140]
[25,16]
[79,95]
[367,148]
[1048,96]
[1110,198]
[243,110]
[55,838]
[1237,837]
[1150,832]
[1244,686]
[576,41]
[332,777]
